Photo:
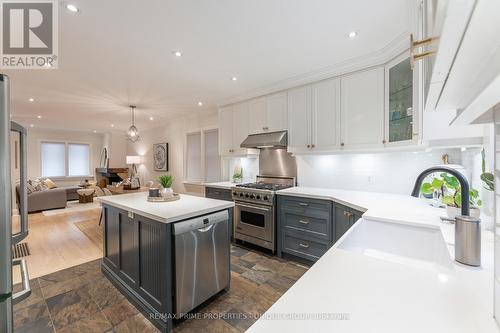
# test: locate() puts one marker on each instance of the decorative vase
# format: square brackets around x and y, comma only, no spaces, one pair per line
[453,212]
[166,192]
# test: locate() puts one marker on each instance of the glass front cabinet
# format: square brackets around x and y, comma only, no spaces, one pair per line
[400,112]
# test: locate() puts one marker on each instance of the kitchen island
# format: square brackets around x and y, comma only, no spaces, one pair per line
[139,250]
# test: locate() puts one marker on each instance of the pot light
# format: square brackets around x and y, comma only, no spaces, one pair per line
[31,125]
[200,103]
[112,125]
[151,118]
[39,117]
[95,131]
[31,100]
[352,34]
[177,53]
[234,78]
[72,8]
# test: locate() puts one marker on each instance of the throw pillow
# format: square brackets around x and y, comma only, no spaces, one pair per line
[50,184]
[30,187]
[38,185]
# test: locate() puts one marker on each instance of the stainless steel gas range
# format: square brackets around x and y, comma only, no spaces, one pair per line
[255,210]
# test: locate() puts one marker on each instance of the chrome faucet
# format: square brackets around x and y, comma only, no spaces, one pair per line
[464,184]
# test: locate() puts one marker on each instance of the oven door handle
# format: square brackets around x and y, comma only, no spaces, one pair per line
[266,209]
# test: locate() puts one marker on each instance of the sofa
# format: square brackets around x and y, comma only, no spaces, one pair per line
[50,198]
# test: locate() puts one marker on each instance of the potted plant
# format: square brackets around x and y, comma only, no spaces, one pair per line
[447,188]
[166,181]
[238,175]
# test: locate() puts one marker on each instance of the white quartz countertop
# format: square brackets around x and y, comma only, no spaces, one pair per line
[186,207]
[223,185]
[376,295]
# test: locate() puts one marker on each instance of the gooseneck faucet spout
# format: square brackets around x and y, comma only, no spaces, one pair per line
[464,184]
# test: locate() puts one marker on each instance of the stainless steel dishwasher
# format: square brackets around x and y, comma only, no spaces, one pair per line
[202,264]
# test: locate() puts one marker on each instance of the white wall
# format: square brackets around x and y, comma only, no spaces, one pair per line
[393,172]
[116,144]
[175,135]
[36,135]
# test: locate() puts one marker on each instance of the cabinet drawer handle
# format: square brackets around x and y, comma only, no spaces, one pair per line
[265,128]
[303,204]
[384,141]
[308,146]
[312,146]
[304,222]
[342,144]
[304,245]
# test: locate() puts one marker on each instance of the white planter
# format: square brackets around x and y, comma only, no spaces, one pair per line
[453,212]
[166,192]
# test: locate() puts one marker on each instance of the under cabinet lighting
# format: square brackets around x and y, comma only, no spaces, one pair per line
[177,53]
[234,78]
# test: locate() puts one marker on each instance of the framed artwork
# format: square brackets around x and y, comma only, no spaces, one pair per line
[160,156]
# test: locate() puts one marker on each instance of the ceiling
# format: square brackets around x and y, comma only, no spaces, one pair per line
[118,52]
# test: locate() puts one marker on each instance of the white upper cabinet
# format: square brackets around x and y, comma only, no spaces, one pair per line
[233,129]
[401,95]
[362,109]
[268,114]
[277,116]
[226,130]
[325,115]
[240,127]
[299,119]
[257,115]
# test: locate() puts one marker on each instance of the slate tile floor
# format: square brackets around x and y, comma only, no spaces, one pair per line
[81,299]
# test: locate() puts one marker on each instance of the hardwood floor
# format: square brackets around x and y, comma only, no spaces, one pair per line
[60,241]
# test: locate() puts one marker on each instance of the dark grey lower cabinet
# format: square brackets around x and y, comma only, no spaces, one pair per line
[307,227]
[138,254]
[345,217]
[222,194]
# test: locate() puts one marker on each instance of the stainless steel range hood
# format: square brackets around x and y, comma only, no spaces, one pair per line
[266,140]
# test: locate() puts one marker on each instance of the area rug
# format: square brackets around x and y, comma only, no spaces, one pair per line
[92,230]
[71,207]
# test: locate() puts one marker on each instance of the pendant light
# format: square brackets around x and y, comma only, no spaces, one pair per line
[133,132]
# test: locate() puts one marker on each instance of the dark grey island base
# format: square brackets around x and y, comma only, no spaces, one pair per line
[138,258]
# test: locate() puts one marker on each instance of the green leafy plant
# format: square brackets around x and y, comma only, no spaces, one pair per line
[449,190]
[166,180]
[487,177]
[238,175]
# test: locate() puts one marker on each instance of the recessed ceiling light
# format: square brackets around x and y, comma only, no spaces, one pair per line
[31,100]
[31,125]
[177,53]
[151,118]
[352,34]
[112,125]
[39,117]
[95,131]
[234,78]
[72,8]
[200,103]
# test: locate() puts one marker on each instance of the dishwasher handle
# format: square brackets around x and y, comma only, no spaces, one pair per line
[202,223]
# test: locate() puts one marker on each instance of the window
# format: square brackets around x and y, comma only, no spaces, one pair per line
[53,159]
[202,156]
[62,159]
[78,160]
[212,158]
[193,153]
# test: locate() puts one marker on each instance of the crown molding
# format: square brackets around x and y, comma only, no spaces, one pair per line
[396,47]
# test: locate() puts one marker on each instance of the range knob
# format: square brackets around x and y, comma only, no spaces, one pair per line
[252,196]
[257,196]
[241,194]
[246,195]
[235,193]
[265,197]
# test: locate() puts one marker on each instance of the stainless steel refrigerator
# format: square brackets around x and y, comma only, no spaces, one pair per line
[7,238]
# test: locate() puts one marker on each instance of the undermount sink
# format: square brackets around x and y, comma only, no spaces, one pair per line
[408,245]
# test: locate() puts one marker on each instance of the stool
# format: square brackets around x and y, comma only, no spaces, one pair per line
[85,195]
